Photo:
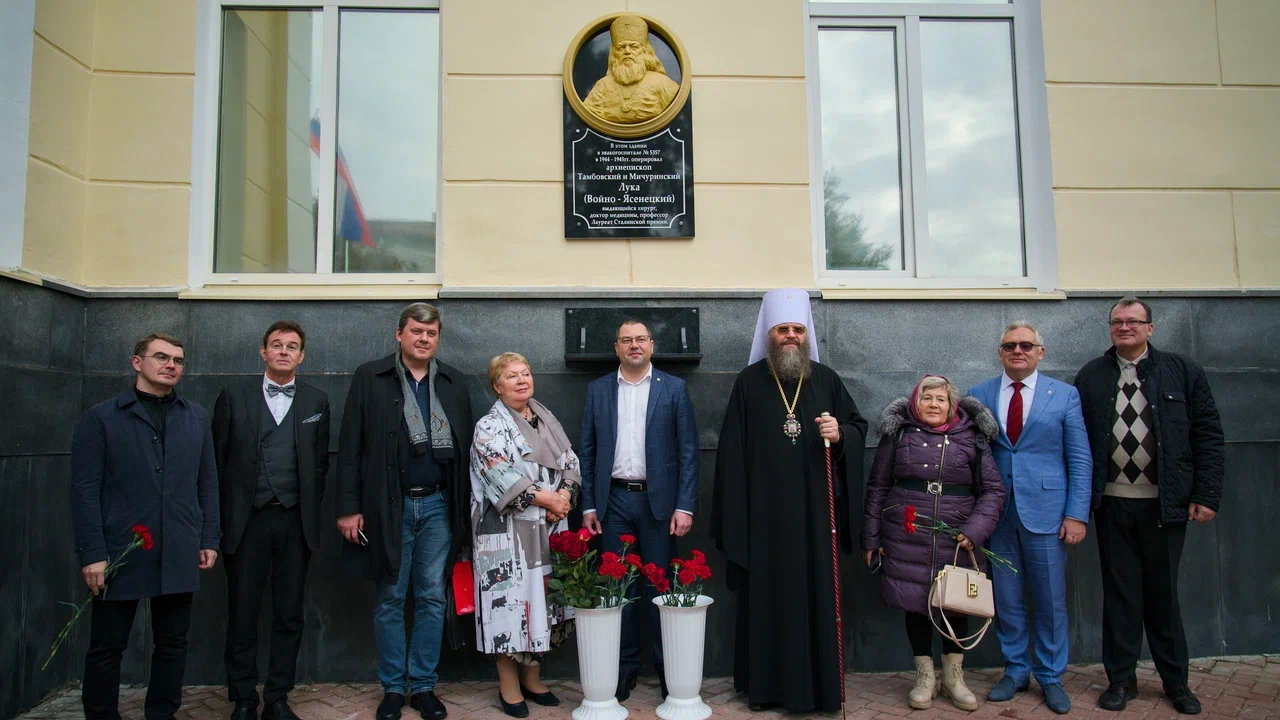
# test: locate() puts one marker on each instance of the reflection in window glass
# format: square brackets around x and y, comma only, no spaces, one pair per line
[266,219]
[861,177]
[385,190]
[971,149]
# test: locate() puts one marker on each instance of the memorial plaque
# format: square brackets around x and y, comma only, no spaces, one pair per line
[628,131]
[616,187]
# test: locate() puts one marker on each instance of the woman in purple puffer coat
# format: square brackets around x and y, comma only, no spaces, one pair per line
[931,438]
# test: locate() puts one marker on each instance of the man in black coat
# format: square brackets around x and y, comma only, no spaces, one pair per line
[271,441]
[403,500]
[1157,463]
[144,457]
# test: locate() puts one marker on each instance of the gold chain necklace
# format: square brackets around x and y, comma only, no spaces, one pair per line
[790,427]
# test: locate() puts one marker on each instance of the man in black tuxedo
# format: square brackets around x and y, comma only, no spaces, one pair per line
[271,440]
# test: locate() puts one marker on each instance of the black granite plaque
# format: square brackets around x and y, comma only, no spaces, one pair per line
[641,188]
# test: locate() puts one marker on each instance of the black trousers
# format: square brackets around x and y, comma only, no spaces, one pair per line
[920,632]
[109,636]
[1140,589]
[273,549]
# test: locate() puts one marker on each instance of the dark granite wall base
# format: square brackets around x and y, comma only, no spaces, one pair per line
[61,354]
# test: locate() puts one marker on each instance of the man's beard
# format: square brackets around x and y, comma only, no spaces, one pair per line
[789,365]
[628,71]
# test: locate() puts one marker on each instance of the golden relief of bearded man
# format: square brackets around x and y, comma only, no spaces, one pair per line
[636,87]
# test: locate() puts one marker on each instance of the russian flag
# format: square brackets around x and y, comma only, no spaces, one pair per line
[350,220]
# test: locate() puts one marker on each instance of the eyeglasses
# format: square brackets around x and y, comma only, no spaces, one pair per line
[164,359]
[291,347]
[1023,346]
[638,339]
[1128,323]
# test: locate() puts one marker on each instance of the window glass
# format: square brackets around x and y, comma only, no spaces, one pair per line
[267,181]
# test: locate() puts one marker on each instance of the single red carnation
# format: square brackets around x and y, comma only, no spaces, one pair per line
[633,560]
[662,585]
[140,529]
[910,513]
[610,558]
[910,527]
[702,571]
[699,556]
[687,576]
[614,570]
[147,542]
[628,539]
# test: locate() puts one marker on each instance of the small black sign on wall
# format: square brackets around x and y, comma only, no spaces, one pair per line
[628,188]
[590,332]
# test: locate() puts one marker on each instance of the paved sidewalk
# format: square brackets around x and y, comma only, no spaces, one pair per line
[1238,687]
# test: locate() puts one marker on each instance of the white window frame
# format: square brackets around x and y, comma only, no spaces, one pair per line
[1039,231]
[204,152]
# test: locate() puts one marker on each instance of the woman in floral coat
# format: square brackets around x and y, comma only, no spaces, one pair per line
[524,480]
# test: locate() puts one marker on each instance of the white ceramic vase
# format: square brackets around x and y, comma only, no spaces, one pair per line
[599,635]
[683,642]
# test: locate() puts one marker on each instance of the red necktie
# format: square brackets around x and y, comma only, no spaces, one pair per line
[1013,420]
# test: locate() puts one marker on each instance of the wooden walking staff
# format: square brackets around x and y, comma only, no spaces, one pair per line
[835,564]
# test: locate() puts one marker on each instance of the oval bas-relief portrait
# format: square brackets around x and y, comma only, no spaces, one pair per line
[636,86]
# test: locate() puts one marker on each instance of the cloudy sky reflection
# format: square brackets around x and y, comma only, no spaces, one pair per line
[974,206]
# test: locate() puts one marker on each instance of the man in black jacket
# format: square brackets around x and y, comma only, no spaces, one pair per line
[403,501]
[271,440]
[1157,463]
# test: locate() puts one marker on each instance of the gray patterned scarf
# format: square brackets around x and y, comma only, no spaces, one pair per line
[440,436]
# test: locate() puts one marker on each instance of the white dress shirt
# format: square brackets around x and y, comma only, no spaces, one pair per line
[1006,394]
[280,404]
[633,405]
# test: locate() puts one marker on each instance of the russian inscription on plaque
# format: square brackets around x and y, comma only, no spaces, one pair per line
[628,132]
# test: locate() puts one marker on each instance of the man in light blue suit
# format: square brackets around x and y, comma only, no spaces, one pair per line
[639,455]
[1043,456]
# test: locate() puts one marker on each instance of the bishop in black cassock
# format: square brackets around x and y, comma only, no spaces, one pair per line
[770,516]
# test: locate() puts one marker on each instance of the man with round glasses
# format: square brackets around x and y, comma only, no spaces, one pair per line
[1157,464]
[144,457]
[1043,456]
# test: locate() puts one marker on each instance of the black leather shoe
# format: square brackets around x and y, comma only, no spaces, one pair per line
[1184,701]
[428,705]
[279,710]
[626,683]
[1118,694]
[546,699]
[389,708]
[515,710]
[245,711]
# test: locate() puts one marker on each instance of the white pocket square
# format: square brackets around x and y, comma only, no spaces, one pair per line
[313,418]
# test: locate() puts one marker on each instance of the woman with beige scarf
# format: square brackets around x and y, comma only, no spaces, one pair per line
[524,480]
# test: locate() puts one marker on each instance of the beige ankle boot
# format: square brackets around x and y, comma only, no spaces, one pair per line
[921,697]
[953,682]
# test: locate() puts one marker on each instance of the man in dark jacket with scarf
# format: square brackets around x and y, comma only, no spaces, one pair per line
[1157,463]
[144,457]
[403,499]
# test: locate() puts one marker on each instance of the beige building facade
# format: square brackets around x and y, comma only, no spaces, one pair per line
[1158,117]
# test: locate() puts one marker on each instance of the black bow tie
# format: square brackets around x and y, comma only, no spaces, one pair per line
[274,389]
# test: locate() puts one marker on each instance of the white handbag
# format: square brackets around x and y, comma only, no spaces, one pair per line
[964,591]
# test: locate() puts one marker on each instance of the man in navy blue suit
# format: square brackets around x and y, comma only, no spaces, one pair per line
[639,455]
[1043,456]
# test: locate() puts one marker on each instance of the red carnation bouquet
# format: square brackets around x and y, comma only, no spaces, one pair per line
[688,574]
[578,581]
[141,539]
[911,522]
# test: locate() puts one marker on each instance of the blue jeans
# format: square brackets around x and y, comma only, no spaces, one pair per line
[424,549]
